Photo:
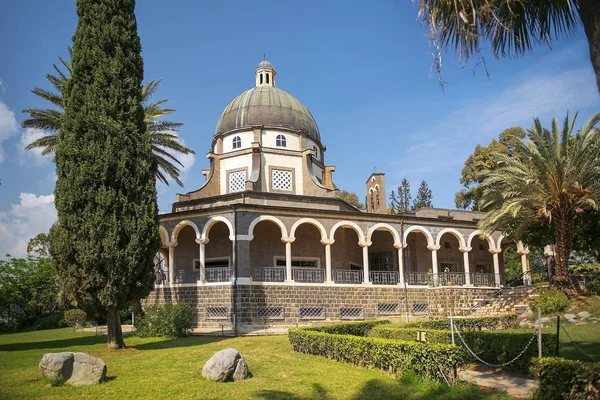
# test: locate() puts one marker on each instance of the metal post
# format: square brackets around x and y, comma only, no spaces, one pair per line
[557,335]
[452,327]
[539,332]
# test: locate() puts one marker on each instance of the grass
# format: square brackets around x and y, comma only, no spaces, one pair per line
[170,369]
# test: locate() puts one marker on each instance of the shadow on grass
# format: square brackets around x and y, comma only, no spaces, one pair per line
[180,342]
[55,344]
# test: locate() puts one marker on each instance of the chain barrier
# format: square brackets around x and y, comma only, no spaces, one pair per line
[490,364]
[577,345]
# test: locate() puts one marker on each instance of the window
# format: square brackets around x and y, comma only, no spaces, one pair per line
[299,262]
[316,152]
[280,141]
[312,313]
[261,79]
[351,313]
[355,267]
[237,181]
[447,245]
[212,263]
[448,267]
[382,261]
[237,142]
[281,180]
[267,78]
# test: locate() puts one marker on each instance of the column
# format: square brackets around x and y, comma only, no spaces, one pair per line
[327,243]
[202,257]
[495,253]
[365,246]
[172,246]
[400,248]
[434,260]
[523,251]
[465,251]
[288,258]
[242,271]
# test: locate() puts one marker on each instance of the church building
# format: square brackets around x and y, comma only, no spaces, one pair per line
[267,240]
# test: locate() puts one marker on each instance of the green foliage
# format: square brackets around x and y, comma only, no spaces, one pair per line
[430,360]
[565,379]
[352,198]
[107,235]
[424,197]
[38,245]
[28,291]
[361,328]
[50,321]
[550,301]
[493,346]
[466,324]
[75,316]
[512,265]
[404,196]
[170,320]
[593,287]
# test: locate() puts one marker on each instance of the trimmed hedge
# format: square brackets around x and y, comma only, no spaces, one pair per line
[467,324]
[495,347]
[361,328]
[566,379]
[430,360]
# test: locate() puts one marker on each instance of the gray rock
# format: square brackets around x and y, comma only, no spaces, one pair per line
[544,320]
[225,365]
[583,314]
[523,324]
[75,369]
[570,316]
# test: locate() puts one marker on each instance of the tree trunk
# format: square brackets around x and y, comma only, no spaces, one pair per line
[563,233]
[115,335]
[589,12]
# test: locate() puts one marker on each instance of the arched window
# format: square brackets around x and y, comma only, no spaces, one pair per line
[280,141]
[316,151]
[237,142]
[261,78]
[267,78]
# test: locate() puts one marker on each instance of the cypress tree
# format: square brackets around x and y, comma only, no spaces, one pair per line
[404,196]
[424,197]
[107,230]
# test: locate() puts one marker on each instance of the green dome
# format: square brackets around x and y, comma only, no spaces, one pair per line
[268,106]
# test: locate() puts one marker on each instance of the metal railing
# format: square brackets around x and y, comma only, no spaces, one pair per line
[268,274]
[484,279]
[419,278]
[218,274]
[384,277]
[308,275]
[347,276]
[451,279]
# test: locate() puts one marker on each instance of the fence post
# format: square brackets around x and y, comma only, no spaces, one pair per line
[539,332]
[557,335]
[452,327]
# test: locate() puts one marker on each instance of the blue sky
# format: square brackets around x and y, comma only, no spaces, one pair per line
[362,68]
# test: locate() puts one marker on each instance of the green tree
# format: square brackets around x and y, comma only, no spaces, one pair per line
[555,180]
[38,245]
[106,236]
[468,198]
[352,198]
[424,197]
[393,208]
[165,142]
[404,196]
[512,27]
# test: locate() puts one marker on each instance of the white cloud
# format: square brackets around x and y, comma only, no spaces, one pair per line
[8,125]
[34,155]
[34,214]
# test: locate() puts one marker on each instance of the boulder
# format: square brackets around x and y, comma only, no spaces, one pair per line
[570,316]
[583,314]
[75,369]
[225,365]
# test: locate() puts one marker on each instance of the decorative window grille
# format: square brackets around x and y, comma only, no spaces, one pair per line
[237,142]
[482,268]
[351,313]
[448,267]
[280,141]
[388,308]
[237,181]
[217,312]
[281,179]
[420,308]
[269,312]
[312,313]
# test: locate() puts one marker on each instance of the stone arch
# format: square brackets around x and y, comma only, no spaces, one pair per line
[455,233]
[348,224]
[180,225]
[275,220]
[164,235]
[209,224]
[419,228]
[491,244]
[311,221]
[384,227]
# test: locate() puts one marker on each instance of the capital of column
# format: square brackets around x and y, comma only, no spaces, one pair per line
[495,251]
[465,249]
[400,246]
[434,248]
[365,244]
[288,239]
[326,242]
[203,241]
[172,244]
[523,252]
[247,238]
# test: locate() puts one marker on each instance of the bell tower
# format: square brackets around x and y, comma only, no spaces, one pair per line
[265,74]
[376,200]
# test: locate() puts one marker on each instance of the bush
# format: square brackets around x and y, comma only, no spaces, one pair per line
[361,328]
[565,379]
[466,324]
[495,347]
[430,360]
[593,287]
[72,317]
[50,321]
[550,301]
[170,320]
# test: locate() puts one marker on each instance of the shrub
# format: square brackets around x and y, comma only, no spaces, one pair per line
[565,379]
[430,360]
[550,301]
[466,324]
[495,347]
[593,287]
[170,320]
[50,321]
[361,328]
[72,317]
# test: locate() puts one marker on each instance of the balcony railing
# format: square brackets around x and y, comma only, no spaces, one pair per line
[484,279]
[268,274]
[347,276]
[419,278]
[218,274]
[308,275]
[451,279]
[384,277]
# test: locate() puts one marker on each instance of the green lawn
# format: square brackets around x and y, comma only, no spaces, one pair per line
[159,368]
[587,337]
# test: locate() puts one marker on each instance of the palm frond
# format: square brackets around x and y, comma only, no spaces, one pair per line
[48,143]
[48,120]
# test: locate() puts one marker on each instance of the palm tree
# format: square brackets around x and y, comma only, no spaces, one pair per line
[162,133]
[512,27]
[553,182]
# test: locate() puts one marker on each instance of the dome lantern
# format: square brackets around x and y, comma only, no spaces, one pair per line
[265,74]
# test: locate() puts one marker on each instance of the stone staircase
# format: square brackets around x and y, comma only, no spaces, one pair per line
[510,300]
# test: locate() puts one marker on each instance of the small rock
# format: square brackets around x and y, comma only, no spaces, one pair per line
[543,320]
[241,370]
[225,365]
[523,324]
[583,314]
[75,369]
[570,316]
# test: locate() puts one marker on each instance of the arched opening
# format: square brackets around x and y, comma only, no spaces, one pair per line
[161,267]
[186,256]
[346,257]
[237,142]
[510,261]
[383,259]
[267,74]
[267,252]
[261,79]
[451,270]
[308,255]
[280,141]
[417,259]
[218,254]
[481,262]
